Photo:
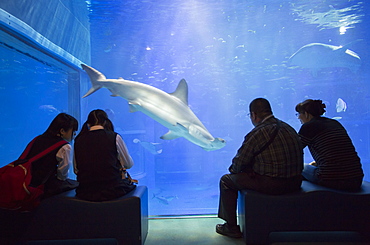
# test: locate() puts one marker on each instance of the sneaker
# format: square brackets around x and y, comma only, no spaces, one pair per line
[228,230]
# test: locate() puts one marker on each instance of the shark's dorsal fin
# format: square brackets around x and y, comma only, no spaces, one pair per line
[181,91]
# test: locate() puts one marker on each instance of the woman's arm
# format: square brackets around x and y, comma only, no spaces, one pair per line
[123,154]
[64,158]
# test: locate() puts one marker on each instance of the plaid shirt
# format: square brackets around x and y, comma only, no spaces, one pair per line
[283,158]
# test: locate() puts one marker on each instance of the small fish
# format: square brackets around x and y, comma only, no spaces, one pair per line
[241,113]
[50,109]
[278,79]
[164,200]
[242,102]
[109,48]
[341,105]
[154,148]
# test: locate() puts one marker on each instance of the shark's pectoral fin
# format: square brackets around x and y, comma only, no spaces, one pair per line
[170,136]
[134,106]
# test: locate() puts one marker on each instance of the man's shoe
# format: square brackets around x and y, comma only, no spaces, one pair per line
[228,230]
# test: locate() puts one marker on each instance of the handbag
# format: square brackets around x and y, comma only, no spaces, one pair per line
[126,175]
[15,178]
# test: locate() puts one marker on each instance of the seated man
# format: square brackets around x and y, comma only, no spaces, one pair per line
[270,160]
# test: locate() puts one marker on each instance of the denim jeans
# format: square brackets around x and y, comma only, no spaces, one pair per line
[310,173]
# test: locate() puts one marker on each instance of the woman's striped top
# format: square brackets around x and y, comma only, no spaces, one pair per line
[331,148]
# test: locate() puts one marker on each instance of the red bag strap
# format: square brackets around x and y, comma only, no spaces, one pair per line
[47,151]
[28,148]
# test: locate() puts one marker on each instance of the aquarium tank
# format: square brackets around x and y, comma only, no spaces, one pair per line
[229,52]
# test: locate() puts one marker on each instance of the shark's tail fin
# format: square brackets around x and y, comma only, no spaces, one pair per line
[94,76]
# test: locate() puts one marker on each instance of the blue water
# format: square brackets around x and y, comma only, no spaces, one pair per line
[32,94]
[229,52]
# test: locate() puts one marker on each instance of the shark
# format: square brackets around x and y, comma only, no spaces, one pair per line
[316,56]
[169,109]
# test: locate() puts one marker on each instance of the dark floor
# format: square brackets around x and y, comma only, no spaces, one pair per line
[199,230]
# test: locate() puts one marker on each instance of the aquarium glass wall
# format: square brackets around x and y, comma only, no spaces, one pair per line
[229,52]
[32,94]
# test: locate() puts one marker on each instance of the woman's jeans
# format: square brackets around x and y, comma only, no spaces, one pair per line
[310,174]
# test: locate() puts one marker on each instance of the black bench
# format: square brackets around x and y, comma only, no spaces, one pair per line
[65,217]
[313,208]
